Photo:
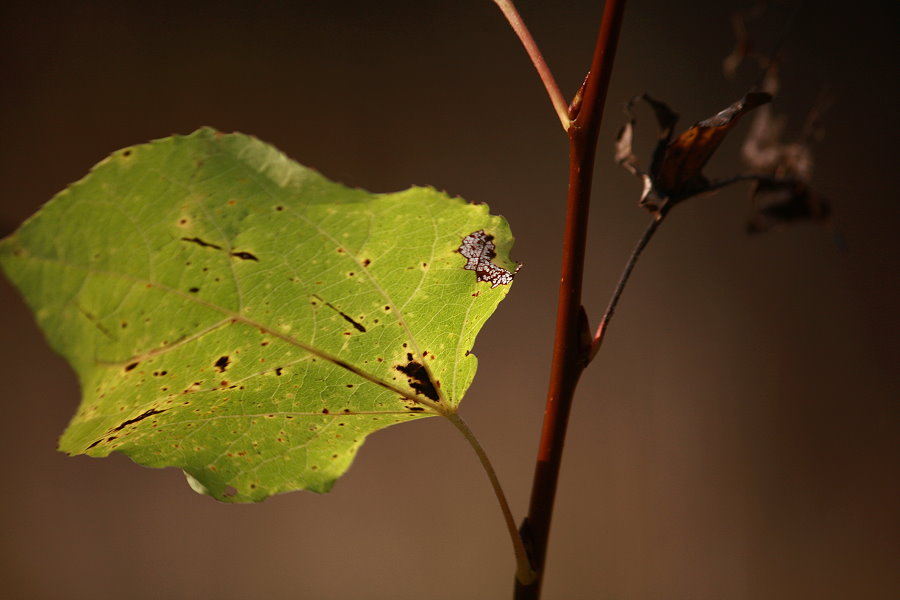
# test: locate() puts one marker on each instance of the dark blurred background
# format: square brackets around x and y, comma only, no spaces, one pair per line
[737,437]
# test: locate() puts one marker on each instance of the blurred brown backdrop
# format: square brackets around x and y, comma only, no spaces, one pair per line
[737,437]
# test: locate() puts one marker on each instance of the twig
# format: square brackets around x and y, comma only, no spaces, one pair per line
[556,97]
[623,280]
[645,239]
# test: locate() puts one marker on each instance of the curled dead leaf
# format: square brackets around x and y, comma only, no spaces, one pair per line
[676,167]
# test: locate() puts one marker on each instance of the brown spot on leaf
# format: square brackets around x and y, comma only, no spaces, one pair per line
[358,326]
[418,379]
[199,242]
[222,364]
[140,417]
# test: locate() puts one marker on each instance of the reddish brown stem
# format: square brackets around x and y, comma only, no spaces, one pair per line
[572,346]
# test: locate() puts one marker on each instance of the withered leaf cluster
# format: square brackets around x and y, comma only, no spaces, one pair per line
[676,167]
[780,171]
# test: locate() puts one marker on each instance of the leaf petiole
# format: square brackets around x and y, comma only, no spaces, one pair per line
[524,573]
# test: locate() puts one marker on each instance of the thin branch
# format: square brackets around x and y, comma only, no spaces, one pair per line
[524,572]
[623,281]
[645,239]
[515,21]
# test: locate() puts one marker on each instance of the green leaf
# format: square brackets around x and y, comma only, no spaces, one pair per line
[233,313]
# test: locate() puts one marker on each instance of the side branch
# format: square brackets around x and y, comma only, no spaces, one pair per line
[645,239]
[623,281]
[515,21]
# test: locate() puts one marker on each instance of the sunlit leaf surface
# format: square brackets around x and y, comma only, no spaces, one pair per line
[235,314]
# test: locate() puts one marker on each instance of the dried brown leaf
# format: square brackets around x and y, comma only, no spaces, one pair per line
[677,165]
[680,171]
